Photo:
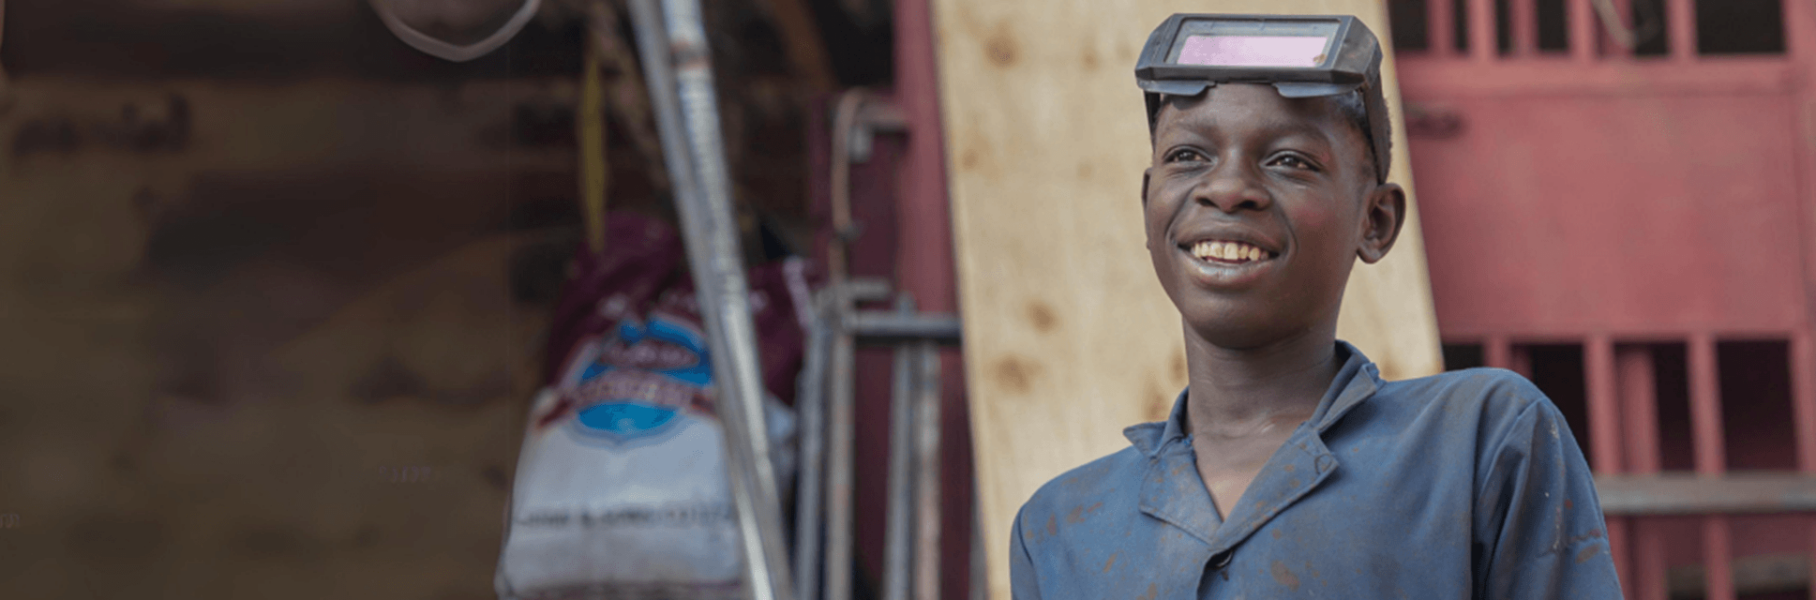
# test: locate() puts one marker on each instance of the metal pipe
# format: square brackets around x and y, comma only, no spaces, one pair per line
[811,403]
[1481,31]
[688,120]
[1639,405]
[1687,494]
[1441,27]
[1605,432]
[1604,407]
[844,119]
[841,411]
[876,326]
[1583,38]
[1680,32]
[841,420]
[1711,460]
[898,540]
[1524,25]
[927,474]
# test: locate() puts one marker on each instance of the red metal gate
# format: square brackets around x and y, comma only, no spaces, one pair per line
[1630,226]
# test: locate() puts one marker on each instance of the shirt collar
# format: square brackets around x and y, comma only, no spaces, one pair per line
[1356,381]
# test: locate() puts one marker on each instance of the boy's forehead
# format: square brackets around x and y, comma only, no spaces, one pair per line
[1248,100]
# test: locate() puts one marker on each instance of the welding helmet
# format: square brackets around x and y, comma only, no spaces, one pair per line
[456,30]
[1301,56]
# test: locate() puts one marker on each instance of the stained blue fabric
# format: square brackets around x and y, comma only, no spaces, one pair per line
[1466,484]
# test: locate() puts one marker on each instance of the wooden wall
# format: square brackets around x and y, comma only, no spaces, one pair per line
[273,287]
[1069,337]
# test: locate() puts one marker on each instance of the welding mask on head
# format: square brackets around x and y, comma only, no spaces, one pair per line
[1301,56]
[456,30]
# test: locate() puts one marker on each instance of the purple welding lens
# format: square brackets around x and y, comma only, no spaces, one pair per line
[1252,51]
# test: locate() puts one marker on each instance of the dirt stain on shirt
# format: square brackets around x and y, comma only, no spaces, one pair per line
[1285,576]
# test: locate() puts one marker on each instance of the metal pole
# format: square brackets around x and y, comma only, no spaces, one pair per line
[811,402]
[1711,461]
[841,438]
[927,475]
[840,410]
[898,535]
[681,91]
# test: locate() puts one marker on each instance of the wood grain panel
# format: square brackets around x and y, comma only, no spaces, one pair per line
[1069,337]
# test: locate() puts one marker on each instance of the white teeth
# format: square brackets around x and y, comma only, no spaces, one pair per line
[1228,251]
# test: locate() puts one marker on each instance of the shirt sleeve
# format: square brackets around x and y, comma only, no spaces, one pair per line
[1539,529]
[1023,585]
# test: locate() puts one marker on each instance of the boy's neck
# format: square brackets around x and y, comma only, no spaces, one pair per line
[1235,393]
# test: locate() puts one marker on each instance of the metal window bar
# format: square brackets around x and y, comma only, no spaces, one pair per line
[1523,16]
[1594,29]
[1481,31]
[898,554]
[1440,16]
[1680,29]
[1624,444]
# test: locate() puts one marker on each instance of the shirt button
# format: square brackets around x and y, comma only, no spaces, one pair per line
[1222,559]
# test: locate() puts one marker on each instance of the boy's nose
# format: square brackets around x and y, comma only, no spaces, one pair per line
[1231,188]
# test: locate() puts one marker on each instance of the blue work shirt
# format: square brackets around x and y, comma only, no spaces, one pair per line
[1466,484]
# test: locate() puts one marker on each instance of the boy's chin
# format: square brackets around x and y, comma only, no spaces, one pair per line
[1238,327]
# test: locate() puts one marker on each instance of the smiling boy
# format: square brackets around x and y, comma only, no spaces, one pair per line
[1288,468]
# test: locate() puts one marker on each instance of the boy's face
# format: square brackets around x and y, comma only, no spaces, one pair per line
[1256,208]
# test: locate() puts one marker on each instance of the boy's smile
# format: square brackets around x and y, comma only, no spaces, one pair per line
[1256,208]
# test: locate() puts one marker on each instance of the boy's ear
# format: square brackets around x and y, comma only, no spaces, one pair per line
[1145,174]
[1382,218]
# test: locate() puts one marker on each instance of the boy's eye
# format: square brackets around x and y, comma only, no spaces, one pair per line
[1185,154]
[1293,161]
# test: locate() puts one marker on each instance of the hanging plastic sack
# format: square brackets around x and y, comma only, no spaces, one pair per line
[450,24]
[621,489]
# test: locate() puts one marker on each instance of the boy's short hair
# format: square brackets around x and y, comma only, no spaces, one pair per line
[1351,106]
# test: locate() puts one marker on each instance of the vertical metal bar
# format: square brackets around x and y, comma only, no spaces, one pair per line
[898,540]
[927,476]
[1441,27]
[841,409]
[1803,397]
[1680,24]
[1497,352]
[1583,37]
[1803,410]
[1481,30]
[1639,404]
[1524,26]
[1711,460]
[1605,431]
[1604,404]
[681,91]
[841,421]
[810,401]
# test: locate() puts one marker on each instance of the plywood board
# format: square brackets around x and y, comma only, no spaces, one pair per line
[1068,335]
